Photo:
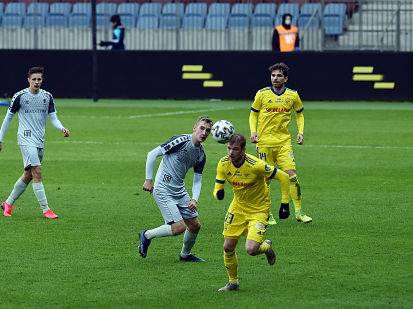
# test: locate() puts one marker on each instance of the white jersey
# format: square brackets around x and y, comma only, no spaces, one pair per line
[33,110]
[179,155]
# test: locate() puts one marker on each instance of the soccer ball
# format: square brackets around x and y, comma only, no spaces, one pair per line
[222,131]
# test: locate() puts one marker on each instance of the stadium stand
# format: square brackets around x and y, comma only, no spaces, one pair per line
[150,9]
[64,8]
[128,8]
[198,9]
[193,22]
[34,21]
[269,9]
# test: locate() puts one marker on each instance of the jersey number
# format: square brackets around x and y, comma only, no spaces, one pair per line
[229,218]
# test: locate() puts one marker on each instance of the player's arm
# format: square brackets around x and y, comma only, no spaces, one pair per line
[13,108]
[219,192]
[150,165]
[54,120]
[197,184]
[253,118]
[299,112]
[275,40]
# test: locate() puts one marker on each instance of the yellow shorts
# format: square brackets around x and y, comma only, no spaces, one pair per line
[280,156]
[252,225]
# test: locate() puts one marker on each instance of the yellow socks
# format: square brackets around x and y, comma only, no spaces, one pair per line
[295,193]
[264,247]
[231,264]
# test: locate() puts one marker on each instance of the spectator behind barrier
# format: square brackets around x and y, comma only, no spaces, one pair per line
[285,36]
[118,34]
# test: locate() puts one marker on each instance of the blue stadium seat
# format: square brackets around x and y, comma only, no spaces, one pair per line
[108,8]
[238,21]
[128,8]
[219,9]
[128,20]
[34,21]
[82,8]
[193,22]
[153,9]
[38,8]
[242,8]
[170,21]
[173,8]
[310,15]
[79,20]
[333,25]
[200,9]
[61,8]
[266,8]
[18,8]
[103,20]
[262,20]
[1,8]
[335,9]
[216,22]
[148,22]
[12,20]
[56,20]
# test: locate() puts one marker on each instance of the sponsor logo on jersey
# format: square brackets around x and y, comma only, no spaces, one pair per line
[277,110]
[241,184]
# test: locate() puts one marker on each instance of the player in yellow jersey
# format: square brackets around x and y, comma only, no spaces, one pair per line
[269,119]
[250,207]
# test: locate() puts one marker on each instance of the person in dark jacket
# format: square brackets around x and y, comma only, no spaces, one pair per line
[118,34]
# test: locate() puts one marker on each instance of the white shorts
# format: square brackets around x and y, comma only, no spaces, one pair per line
[32,156]
[173,208]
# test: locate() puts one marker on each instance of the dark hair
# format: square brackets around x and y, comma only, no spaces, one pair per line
[35,70]
[280,66]
[238,139]
[204,118]
[115,19]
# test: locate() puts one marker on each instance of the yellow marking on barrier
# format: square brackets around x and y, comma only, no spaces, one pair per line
[192,68]
[213,83]
[368,77]
[384,85]
[360,69]
[196,76]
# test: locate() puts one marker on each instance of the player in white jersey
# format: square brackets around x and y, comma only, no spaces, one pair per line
[178,210]
[33,106]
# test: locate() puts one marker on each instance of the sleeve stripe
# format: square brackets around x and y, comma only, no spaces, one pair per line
[254,110]
[220,181]
[300,110]
[273,173]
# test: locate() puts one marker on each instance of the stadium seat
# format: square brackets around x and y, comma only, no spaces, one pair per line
[38,8]
[335,9]
[1,8]
[266,8]
[219,9]
[173,8]
[15,8]
[82,8]
[79,20]
[200,9]
[103,20]
[242,8]
[108,8]
[216,22]
[12,20]
[170,21]
[147,22]
[333,25]
[128,20]
[56,20]
[34,21]
[309,15]
[128,8]
[264,20]
[193,22]
[61,8]
[238,21]
[153,9]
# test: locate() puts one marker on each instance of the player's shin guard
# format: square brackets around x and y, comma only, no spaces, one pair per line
[295,193]
[264,247]
[231,265]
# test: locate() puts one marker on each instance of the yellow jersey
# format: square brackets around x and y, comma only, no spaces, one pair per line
[249,183]
[274,115]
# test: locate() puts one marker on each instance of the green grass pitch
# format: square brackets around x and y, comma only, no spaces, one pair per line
[356,175]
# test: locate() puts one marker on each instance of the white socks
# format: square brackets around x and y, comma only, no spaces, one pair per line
[160,231]
[189,242]
[38,190]
[18,189]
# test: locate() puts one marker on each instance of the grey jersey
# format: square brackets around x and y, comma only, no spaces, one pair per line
[33,110]
[179,155]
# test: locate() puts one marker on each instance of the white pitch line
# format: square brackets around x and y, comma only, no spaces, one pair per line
[220,145]
[180,112]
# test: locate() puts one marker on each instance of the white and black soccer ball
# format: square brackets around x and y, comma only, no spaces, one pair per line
[222,131]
